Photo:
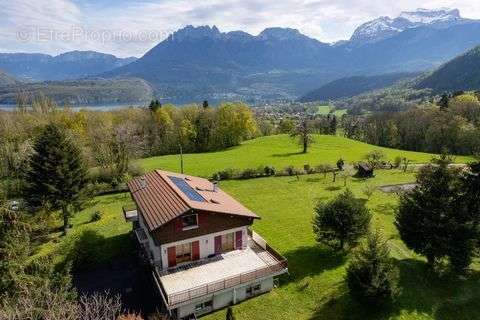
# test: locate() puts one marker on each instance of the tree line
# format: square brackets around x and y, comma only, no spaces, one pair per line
[452,125]
[109,140]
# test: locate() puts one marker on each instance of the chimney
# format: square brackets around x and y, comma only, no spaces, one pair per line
[215,186]
[143,183]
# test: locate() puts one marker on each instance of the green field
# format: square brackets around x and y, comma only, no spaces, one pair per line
[278,151]
[324,110]
[315,287]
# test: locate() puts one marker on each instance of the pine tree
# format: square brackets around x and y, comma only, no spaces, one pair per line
[440,217]
[371,275]
[56,178]
[333,125]
[205,104]
[341,221]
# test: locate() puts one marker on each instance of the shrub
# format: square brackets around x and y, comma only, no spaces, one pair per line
[372,278]
[397,162]
[226,174]
[341,221]
[96,216]
[375,158]
[308,169]
[269,171]
[324,168]
[290,170]
[248,173]
[340,164]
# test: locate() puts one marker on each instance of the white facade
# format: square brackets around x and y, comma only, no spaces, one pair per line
[207,244]
[225,298]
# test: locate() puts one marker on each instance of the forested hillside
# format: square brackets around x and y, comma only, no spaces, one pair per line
[352,86]
[81,92]
[461,73]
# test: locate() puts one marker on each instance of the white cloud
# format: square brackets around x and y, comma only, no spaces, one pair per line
[106,25]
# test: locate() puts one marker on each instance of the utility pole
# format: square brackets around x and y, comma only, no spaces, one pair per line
[181,159]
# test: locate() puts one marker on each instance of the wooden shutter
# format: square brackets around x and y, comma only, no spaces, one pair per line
[195,250]
[178,224]
[172,257]
[218,244]
[202,219]
[238,240]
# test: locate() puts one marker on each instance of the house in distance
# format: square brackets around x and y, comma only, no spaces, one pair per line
[199,242]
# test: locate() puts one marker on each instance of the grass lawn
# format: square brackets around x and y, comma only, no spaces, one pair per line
[279,151]
[324,110]
[315,288]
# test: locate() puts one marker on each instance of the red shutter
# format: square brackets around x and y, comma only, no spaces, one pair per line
[172,257]
[202,219]
[238,240]
[178,224]
[195,250]
[218,244]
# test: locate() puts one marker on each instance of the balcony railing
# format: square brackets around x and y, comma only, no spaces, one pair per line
[272,269]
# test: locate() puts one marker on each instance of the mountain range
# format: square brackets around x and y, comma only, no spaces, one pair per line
[197,63]
[69,65]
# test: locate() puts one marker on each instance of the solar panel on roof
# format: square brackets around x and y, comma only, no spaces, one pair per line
[186,189]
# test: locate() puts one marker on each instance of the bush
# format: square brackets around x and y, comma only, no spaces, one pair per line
[375,158]
[96,216]
[372,278]
[397,162]
[340,164]
[308,169]
[226,174]
[269,171]
[341,221]
[290,170]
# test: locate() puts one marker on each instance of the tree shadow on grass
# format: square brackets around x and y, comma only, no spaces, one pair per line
[422,292]
[310,261]
[91,249]
[333,188]
[112,264]
[286,155]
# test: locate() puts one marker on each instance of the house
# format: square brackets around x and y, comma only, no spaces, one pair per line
[364,171]
[198,240]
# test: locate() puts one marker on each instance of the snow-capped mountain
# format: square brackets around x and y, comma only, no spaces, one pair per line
[386,27]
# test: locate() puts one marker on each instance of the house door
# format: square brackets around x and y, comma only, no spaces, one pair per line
[218,244]
[195,250]
[172,257]
[238,240]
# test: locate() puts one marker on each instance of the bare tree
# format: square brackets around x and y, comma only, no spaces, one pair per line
[303,131]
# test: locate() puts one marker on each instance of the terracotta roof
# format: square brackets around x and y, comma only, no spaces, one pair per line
[160,197]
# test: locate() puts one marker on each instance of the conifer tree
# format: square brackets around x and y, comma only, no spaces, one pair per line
[341,221]
[440,217]
[371,275]
[56,178]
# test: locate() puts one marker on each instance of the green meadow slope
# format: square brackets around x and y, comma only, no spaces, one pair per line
[279,151]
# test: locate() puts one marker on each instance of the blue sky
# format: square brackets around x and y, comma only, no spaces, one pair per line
[130,28]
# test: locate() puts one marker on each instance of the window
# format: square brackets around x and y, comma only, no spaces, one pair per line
[190,222]
[228,242]
[184,252]
[204,306]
